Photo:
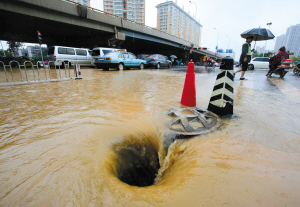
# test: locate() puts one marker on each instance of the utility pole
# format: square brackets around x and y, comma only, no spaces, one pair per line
[228,40]
[196,8]
[268,24]
[228,44]
[40,42]
[217,47]
[234,50]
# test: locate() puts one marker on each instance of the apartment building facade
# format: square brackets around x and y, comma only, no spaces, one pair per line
[174,20]
[291,40]
[133,10]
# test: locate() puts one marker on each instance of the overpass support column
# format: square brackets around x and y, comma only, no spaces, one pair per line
[117,39]
[186,54]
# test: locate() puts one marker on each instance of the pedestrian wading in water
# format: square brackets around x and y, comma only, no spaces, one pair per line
[245,57]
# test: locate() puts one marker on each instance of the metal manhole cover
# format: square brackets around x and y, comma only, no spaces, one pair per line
[193,121]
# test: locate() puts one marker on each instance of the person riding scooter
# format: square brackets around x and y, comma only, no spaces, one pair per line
[276,59]
[210,61]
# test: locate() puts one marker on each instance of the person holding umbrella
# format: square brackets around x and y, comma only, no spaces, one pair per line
[245,57]
[256,34]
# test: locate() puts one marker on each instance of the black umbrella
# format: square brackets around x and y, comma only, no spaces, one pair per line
[258,34]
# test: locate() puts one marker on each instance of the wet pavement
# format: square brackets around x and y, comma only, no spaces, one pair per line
[71,143]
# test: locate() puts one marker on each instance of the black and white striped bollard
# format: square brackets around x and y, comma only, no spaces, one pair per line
[221,101]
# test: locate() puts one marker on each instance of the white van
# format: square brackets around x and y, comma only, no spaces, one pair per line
[62,55]
[100,51]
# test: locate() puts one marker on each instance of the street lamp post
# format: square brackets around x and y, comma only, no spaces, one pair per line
[234,49]
[217,42]
[268,24]
[196,8]
[228,41]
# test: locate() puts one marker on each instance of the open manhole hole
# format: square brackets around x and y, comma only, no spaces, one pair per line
[193,121]
[136,161]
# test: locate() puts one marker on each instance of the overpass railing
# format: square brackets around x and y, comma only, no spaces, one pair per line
[110,14]
[14,73]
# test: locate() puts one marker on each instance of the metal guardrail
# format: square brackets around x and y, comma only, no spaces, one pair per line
[98,10]
[39,73]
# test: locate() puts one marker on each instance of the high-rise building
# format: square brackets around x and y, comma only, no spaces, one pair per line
[174,20]
[133,10]
[291,40]
[279,42]
[83,2]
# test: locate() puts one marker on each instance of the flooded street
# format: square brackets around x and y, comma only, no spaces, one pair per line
[66,143]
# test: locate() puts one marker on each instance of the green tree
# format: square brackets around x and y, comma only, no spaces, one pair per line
[268,54]
[7,53]
[295,58]
[255,53]
[13,47]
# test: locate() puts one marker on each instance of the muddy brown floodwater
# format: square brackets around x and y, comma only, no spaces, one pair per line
[71,143]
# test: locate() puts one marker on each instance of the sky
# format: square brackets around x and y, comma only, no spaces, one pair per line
[230,18]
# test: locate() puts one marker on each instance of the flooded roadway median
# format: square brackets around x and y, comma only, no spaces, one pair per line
[99,141]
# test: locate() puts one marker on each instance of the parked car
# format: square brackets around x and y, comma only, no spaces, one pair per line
[259,62]
[158,61]
[142,56]
[119,60]
[169,61]
[101,51]
[69,55]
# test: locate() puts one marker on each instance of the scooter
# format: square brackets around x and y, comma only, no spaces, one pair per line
[282,69]
[210,64]
[296,68]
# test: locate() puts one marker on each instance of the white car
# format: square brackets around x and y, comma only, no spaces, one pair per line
[62,55]
[259,62]
[101,51]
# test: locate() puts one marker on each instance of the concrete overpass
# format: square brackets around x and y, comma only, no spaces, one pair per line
[71,24]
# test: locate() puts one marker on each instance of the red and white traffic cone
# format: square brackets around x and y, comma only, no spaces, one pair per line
[189,90]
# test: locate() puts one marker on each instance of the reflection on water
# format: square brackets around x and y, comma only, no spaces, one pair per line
[69,144]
